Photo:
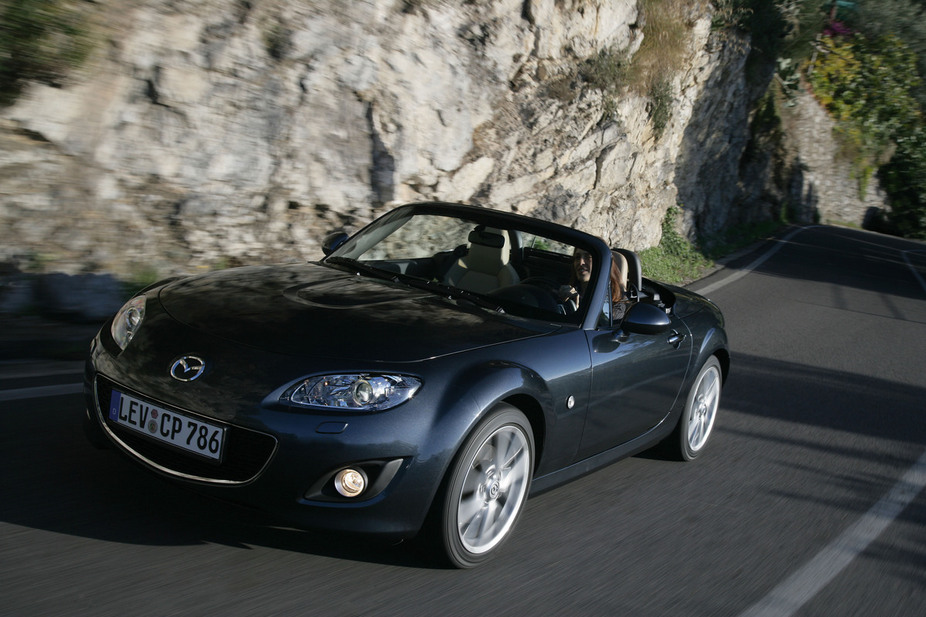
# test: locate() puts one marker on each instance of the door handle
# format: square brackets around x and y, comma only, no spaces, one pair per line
[675,339]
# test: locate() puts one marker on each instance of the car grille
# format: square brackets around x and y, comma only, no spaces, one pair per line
[247,452]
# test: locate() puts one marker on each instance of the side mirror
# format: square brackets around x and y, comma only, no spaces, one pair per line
[333,241]
[644,318]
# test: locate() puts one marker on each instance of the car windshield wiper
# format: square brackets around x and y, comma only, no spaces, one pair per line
[360,266]
[412,281]
[451,292]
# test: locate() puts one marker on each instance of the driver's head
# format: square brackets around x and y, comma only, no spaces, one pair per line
[582,265]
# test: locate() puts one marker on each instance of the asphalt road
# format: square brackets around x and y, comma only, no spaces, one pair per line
[808,502]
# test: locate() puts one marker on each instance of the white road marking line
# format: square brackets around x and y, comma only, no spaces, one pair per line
[793,593]
[40,392]
[799,588]
[18,370]
[755,264]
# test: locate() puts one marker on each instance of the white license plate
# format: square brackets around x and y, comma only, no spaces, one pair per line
[167,426]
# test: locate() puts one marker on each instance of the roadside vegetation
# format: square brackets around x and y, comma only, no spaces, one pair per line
[42,41]
[675,260]
[867,67]
[865,62]
[887,42]
[678,261]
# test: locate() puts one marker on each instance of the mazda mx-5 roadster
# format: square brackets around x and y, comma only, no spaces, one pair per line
[427,375]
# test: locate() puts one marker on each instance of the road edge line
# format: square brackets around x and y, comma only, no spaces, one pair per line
[40,392]
[793,593]
[778,243]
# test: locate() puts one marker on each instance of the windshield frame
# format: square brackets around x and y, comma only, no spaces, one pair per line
[374,233]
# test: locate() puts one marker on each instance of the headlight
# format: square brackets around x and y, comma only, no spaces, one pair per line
[127,321]
[361,392]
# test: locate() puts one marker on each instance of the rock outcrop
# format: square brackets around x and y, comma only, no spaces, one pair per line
[206,133]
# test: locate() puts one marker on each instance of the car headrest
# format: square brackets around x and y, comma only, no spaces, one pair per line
[483,237]
[634,268]
[620,262]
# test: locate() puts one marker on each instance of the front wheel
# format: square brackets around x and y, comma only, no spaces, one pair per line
[697,421]
[487,488]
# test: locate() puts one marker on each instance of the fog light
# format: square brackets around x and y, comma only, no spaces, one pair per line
[350,482]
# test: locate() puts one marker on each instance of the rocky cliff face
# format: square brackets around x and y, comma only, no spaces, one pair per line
[206,133]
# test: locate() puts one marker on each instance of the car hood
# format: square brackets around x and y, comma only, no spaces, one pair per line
[320,311]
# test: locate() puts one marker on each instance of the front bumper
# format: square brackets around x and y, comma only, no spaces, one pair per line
[286,465]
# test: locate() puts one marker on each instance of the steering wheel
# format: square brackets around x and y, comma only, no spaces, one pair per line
[552,287]
[527,294]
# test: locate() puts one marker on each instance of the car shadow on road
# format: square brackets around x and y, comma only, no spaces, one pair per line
[55,480]
[815,396]
[826,442]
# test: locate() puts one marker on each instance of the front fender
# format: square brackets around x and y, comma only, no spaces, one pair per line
[714,343]
[486,386]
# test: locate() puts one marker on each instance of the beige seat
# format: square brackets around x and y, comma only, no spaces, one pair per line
[620,262]
[634,271]
[486,266]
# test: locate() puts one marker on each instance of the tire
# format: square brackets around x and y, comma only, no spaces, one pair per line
[486,488]
[697,421]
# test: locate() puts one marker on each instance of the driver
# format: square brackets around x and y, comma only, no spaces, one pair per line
[572,293]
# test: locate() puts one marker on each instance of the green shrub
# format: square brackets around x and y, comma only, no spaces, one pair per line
[788,28]
[904,180]
[675,260]
[678,261]
[868,86]
[660,107]
[781,32]
[731,14]
[901,18]
[606,71]
[40,40]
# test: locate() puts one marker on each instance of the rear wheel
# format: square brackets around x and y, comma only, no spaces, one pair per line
[487,488]
[697,421]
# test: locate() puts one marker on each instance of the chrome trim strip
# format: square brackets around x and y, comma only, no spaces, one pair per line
[165,470]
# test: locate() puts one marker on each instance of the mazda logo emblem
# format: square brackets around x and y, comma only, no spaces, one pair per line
[187,368]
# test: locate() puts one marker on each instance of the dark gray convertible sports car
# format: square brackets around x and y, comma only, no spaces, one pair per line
[430,372]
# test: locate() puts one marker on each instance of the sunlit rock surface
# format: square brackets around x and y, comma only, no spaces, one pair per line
[209,133]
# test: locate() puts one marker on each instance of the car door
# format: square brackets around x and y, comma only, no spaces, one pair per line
[637,373]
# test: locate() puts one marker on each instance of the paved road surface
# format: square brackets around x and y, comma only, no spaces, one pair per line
[809,501]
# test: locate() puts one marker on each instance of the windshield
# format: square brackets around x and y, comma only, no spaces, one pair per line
[492,263]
